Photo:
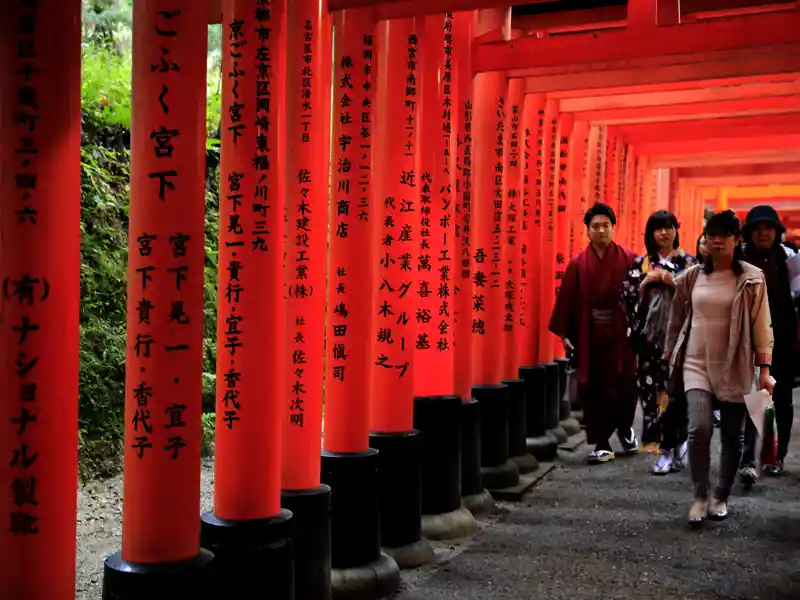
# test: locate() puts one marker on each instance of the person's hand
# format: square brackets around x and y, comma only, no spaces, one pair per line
[668,278]
[568,347]
[651,277]
[765,382]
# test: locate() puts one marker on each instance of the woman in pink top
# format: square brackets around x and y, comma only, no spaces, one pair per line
[719,332]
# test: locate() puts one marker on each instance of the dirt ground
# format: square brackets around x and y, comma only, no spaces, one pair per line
[602,532]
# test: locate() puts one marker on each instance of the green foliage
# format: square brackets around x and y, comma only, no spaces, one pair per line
[209,426]
[105,181]
[104,253]
[107,67]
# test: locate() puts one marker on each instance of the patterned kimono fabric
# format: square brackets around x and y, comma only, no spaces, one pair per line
[651,373]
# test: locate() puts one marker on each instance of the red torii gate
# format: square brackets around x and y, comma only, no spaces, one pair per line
[595,118]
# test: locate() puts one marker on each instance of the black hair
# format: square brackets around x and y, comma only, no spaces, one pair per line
[697,254]
[725,223]
[659,219]
[598,209]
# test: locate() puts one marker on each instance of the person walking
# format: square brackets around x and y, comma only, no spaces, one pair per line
[762,233]
[719,331]
[648,291]
[701,254]
[589,317]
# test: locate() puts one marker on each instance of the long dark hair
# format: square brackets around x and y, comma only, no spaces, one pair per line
[658,220]
[699,255]
[725,223]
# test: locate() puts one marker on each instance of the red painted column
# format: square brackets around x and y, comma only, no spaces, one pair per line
[165,283]
[350,276]
[613,170]
[595,164]
[576,177]
[621,187]
[642,203]
[547,272]
[433,371]
[306,174]
[250,291]
[463,110]
[531,227]
[250,313]
[395,246]
[487,343]
[40,129]
[563,159]
[628,190]
[512,235]
[307,111]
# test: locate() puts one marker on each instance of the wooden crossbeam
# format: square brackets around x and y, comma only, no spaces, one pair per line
[692,111]
[709,146]
[682,69]
[663,98]
[724,34]
[749,180]
[722,158]
[777,168]
[730,127]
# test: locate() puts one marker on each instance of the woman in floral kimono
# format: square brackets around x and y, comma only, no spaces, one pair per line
[647,289]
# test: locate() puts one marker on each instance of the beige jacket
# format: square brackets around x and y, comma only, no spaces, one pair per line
[751,340]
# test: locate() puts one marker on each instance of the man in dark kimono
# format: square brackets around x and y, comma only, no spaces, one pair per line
[590,319]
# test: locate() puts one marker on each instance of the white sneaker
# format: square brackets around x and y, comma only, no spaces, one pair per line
[600,456]
[664,464]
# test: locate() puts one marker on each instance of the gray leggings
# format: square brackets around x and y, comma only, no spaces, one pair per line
[700,431]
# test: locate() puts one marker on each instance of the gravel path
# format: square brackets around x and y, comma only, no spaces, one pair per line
[614,532]
[604,532]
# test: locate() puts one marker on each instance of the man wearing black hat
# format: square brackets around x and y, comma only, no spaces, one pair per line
[762,233]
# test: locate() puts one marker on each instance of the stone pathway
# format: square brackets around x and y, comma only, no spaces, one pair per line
[614,531]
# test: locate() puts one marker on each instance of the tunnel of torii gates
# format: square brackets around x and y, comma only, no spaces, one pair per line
[402,185]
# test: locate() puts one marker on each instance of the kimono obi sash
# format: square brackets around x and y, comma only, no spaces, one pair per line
[603,316]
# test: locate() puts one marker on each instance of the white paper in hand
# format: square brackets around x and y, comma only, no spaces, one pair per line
[757,404]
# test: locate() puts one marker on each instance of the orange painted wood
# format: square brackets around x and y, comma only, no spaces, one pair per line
[723,145]
[750,31]
[693,111]
[711,92]
[733,127]
[463,24]
[40,262]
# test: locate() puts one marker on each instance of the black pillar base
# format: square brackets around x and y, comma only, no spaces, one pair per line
[496,470]
[359,569]
[535,400]
[400,493]
[538,442]
[543,447]
[479,504]
[501,476]
[438,418]
[311,510]
[474,496]
[251,557]
[378,579]
[517,449]
[553,402]
[191,579]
